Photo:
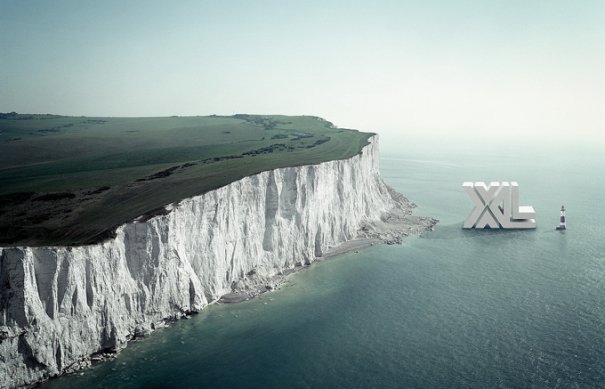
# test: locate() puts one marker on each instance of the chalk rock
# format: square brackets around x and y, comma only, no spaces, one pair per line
[61,305]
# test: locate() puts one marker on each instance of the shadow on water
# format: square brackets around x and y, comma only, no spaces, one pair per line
[455,231]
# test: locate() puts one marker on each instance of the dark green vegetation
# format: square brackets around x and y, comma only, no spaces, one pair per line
[73,180]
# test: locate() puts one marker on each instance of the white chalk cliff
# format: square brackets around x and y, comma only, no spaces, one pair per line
[61,305]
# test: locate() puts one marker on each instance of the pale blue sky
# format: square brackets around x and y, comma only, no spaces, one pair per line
[499,67]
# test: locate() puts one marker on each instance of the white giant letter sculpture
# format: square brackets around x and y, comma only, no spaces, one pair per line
[497,206]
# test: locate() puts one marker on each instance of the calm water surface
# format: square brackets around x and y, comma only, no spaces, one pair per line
[452,308]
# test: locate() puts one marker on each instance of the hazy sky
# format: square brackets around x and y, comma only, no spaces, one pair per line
[492,67]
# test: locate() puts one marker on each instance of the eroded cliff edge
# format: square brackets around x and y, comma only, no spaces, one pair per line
[61,305]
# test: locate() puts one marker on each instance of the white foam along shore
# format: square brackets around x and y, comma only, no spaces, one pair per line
[63,307]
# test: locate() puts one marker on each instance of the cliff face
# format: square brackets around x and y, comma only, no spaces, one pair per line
[60,305]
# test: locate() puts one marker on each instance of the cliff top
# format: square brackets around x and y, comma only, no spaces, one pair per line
[73,180]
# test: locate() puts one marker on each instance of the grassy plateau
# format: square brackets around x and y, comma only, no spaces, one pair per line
[73,180]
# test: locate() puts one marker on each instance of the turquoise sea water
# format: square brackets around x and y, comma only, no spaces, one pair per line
[452,308]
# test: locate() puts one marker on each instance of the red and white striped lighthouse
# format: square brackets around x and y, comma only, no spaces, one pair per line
[562,221]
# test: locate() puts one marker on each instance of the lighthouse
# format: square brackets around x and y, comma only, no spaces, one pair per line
[562,222]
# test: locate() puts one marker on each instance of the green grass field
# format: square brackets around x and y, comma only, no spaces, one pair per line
[73,180]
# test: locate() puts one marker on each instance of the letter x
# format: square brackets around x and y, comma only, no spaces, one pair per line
[491,205]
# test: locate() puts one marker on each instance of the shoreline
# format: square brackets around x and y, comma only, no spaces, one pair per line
[394,226]
[263,285]
[214,248]
[280,279]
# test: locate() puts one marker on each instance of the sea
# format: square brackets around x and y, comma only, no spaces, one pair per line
[451,308]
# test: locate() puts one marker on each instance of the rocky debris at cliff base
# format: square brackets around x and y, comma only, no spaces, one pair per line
[254,284]
[351,245]
[233,297]
[391,229]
